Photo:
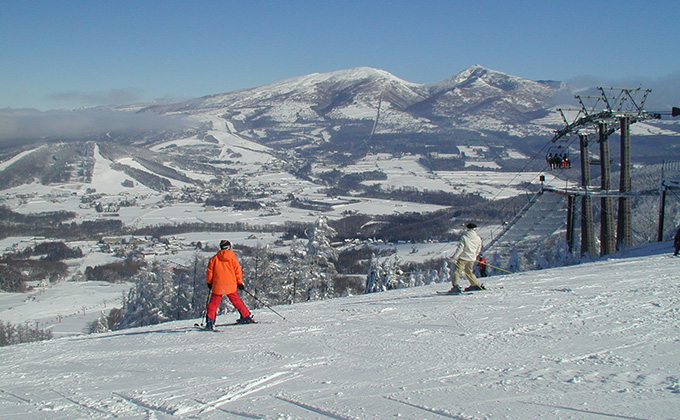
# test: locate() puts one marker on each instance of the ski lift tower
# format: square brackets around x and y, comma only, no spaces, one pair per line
[670,180]
[613,109]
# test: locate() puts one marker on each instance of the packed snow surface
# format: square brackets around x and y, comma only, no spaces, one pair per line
[597,340]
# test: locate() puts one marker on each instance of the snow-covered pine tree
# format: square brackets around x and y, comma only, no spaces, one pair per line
[515,262]
[261,276]
[199,293]
[384,274]
[373,276]
[493,261]
[414,278]
[100,325]
[183,306]
[394,275]
[105,322]
[166,289]
[443,274]
[296,273]
[321,259]
[143,303]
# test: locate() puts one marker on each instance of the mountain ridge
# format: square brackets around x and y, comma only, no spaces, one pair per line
[368,87]
[335,117]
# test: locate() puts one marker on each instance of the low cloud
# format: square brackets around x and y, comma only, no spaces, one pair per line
[20,125]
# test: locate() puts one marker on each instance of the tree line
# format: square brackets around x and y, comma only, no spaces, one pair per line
[17,334]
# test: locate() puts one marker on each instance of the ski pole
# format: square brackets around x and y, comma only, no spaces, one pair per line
[257,299]
[465,272]
[497,268]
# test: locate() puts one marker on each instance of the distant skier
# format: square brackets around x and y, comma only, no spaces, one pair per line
[464,258]
[481,265]
[676,242]
[224,276]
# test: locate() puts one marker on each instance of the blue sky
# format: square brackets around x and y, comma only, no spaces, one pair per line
[67,54]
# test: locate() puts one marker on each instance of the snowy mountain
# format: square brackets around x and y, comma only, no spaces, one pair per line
[326,103]
[330,119]
[337,142]
[588,341]
[490,101]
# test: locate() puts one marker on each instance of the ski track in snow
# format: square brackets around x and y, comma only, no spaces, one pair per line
[254,386]
[313,409]
[429,410]
[597,340]
[87,407]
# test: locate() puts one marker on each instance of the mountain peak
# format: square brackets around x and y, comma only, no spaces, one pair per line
[349,75]
[478,68]
[495,83]
[468,76]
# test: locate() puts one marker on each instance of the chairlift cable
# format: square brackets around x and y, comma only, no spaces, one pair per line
[518,173]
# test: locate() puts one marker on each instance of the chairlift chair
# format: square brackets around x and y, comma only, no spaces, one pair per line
[558,157]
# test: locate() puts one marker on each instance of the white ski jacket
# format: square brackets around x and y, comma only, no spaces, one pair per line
[469,247]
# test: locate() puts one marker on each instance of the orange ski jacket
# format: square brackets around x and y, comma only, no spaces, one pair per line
[224,273]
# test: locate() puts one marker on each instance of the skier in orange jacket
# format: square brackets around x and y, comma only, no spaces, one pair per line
[224,276]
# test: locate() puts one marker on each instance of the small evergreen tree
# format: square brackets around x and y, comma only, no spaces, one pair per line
[443,274]
[384,274]
[296,273]
[105,323]
[262,276]
[99,325]
[143,303]
[515,263]
[321,258]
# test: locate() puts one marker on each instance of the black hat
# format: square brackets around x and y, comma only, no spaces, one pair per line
[471,225]
[225,244]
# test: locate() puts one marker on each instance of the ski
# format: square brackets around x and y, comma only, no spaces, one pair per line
[231,324]
[465,291]
[203,328]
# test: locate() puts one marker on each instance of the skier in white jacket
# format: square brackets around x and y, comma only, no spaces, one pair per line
[464,258]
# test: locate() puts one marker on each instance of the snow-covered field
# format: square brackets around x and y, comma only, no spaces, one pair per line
[598,340]
[65,308]
[407,172]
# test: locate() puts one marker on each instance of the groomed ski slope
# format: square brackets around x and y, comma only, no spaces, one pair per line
[598,340]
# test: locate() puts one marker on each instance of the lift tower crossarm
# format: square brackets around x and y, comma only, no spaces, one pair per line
[616,111]
[614,108]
